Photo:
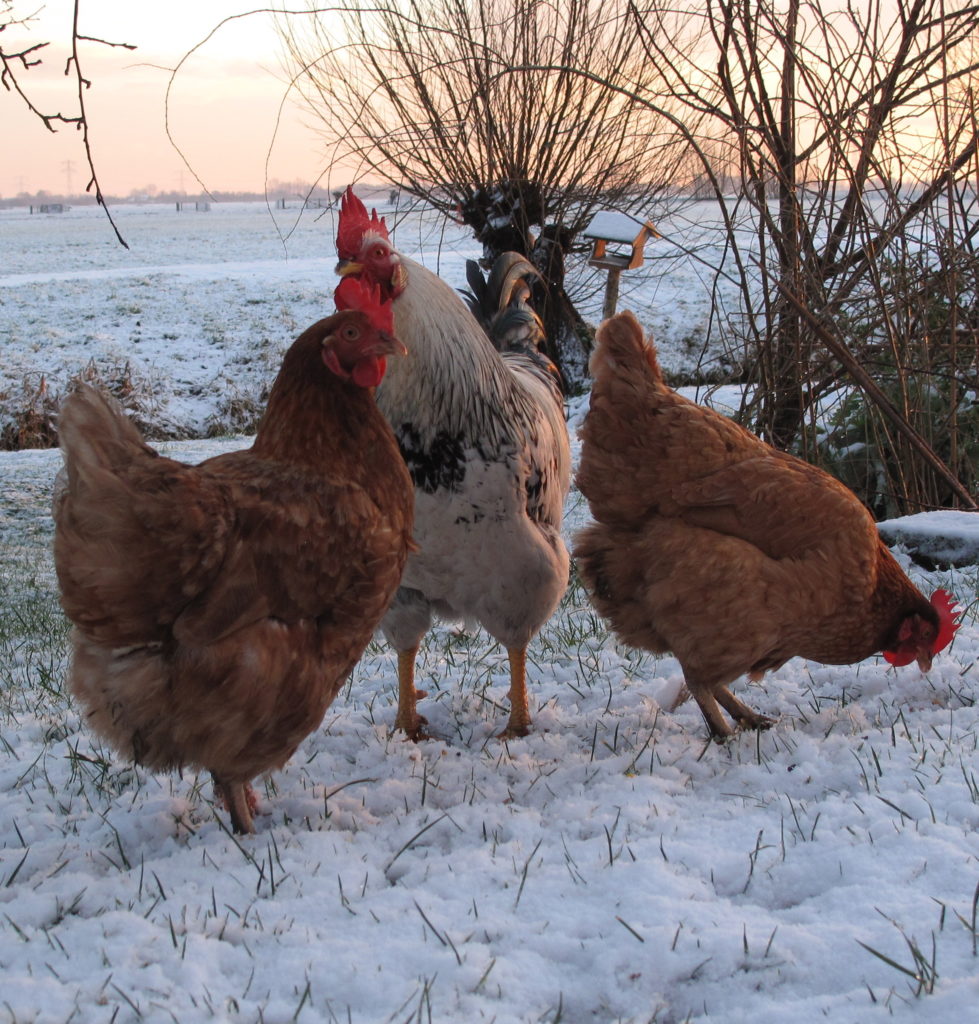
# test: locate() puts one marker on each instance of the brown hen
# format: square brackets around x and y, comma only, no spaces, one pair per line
[734,556]
[219,608]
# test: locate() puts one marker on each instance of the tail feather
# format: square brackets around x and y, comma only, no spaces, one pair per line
[622,348]
[95,434]
[631,432]
[136,535]
[477,298]
[509,280]
[502,303]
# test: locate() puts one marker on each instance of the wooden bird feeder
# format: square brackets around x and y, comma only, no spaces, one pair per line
[627,237]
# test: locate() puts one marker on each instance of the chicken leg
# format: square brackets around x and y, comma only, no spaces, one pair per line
[240,801]
[519,724]
[411,723]
[408,720]
[740,712]
[712,699]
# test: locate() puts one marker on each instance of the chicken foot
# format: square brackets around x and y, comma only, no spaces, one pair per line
[740,712]
[408,720]
[241,802]
[519,723]
[712,700]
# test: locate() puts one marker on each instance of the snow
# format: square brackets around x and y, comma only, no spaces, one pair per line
[947,537]
[612,866]
[615,227]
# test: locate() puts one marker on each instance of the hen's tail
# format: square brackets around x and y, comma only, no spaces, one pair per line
[622,349]
[96,436]
[106,554]
[627,464]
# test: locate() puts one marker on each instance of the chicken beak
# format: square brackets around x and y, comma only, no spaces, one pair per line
[345,268]
[924,660]
[399,278]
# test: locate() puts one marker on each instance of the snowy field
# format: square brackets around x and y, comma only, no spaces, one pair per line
[613,866]
[197,313]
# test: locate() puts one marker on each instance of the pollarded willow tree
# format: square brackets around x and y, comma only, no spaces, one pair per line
[852,129]
[477,108]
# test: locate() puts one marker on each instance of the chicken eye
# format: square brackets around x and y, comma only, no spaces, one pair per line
[379,252]
[349,333]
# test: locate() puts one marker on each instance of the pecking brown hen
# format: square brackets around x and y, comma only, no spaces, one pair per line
[734,556]
[219,608]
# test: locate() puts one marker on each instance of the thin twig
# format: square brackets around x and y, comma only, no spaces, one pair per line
[83,84]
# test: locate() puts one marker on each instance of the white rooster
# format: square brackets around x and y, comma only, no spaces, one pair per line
[484,437]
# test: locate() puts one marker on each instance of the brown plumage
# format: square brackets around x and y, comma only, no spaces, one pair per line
[219,608]
[734,556]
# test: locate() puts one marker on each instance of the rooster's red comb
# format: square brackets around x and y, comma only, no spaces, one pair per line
[356,293]
[948,618]
[354,223]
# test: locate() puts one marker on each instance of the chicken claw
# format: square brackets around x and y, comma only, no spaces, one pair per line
[717,724]
[413,727]
[240,801]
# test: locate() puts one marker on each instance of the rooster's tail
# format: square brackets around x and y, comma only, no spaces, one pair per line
[502,303]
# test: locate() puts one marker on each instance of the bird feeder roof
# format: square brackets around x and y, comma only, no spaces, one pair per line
[622,228]
[609,227]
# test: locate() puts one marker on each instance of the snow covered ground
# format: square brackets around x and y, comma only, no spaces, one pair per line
[197,313]
[612,866]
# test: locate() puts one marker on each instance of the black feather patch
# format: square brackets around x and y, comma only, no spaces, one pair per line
[535,488]
[441,465]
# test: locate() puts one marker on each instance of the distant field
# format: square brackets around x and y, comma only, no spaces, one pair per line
[197,312]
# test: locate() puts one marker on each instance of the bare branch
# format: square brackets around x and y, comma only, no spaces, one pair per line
[9,60]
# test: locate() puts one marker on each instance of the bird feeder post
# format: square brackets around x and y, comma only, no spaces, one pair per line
[611,292]
[630,235]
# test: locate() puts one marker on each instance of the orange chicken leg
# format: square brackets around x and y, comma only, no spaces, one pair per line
[408,720]
[519,724]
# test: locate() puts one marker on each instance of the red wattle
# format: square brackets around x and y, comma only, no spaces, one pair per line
[369,372]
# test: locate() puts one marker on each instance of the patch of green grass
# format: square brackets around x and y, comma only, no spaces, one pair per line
[33,638]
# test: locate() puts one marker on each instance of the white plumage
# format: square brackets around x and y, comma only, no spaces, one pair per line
[484,437]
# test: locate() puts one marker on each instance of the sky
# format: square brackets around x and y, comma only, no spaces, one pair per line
[223,110]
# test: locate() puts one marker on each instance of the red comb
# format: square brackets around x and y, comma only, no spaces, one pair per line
[943,603]
[948,618]
[354,223]
[356,293]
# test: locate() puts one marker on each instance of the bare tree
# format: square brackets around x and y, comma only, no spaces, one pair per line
[854,132]
[17,60]
[423,93]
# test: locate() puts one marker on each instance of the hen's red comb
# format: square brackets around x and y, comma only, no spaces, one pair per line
[356,293]
[948,618]
[354,223]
